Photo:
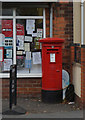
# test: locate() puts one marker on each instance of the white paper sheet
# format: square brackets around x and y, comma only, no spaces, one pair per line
[30,26]
[27,47]
[28,38]
[28,55]
[34,35]
[39,33]
[7,64]
[2,39]
[8,53]
[1,55]
[19,52]
[36,57]
[52,57]
[20,42]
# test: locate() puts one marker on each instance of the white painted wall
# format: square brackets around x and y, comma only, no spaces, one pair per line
[77,78]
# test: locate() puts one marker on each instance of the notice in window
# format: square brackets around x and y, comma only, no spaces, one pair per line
[27,46]
[30,26]
[1,55]
[39,33]
[28,55]
[7,64]
[36,57]
[20,42]
[28,39]
[8,53]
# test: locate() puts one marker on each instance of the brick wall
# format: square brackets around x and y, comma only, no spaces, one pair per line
[83,74]
[25,87]
[62,28]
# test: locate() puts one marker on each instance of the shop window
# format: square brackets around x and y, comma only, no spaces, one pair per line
[6,45]
[28,33]
[29,11]
[26,52]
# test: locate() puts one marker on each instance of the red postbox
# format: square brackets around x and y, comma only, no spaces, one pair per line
[51,69]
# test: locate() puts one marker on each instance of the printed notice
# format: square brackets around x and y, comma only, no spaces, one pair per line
[27,46]
[36,57]
[7,64]
[28,55]
[1,55]
[52,57]
[8,53]
[30,26]
[20,42]
[39,33]
[28,38]
[2,39]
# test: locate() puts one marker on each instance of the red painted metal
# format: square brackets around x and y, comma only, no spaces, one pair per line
[51,71]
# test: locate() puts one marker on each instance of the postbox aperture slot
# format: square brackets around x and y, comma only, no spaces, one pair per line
[52,49]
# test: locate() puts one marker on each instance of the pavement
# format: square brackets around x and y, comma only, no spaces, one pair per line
[35,108]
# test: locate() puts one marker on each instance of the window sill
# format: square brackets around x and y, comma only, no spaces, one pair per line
[7,75]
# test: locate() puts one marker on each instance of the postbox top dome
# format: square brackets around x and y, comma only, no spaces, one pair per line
[51,40]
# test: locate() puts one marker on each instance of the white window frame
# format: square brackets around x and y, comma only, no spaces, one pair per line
[14,17]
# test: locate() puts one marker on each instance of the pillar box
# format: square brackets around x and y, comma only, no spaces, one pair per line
[52,69]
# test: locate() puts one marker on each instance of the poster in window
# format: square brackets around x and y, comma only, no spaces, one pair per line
[9,53]
[30,26]
[28,39]
[20,29]
[20,42]
[7,28]
[7,64]
[2,39]
[36,57]
[27,46]
[1,54]
[39,33]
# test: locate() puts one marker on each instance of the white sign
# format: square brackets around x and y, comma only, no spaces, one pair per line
[39,33]
[27,46]
[52,57]
[19,52]
[20,42]
[28,38]
[30,26]
[34,35]
[28,55]
[2,39]
[36,57]
[8,53]
[7,64]
[1,55]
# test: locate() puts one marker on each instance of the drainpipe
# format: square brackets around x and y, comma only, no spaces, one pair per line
[51,20]
[82,21]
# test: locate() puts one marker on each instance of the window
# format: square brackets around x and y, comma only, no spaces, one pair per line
[21,30]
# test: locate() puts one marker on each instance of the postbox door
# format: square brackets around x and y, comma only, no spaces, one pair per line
[52,69]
